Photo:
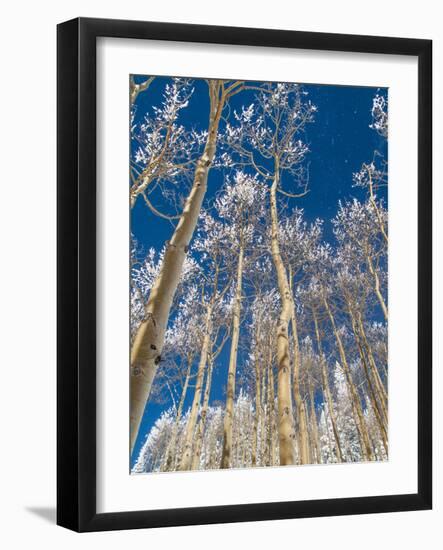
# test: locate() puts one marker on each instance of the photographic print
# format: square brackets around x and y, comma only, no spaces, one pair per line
[258,274]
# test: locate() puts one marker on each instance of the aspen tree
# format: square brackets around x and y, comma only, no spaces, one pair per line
[308,364]
[264,315]
[272,420]
[313,415]
[165,152]
[186,460]
[230,390]
[352,287]
[372,396]
[258,411]
[203,415]
[378,382]
[356,226]
[266,136]
[240,204]
[326,387]
[353,392]
[373,175]
[376,388]
[170,451]
[148,343]
[298,238]
[209,241]
[297,392]
[303,436]
[137,88]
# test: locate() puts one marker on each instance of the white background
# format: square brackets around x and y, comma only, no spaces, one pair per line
[27,290]
[116,489]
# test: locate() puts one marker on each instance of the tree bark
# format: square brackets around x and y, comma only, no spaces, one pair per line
[258,413]
[266,415]
[377,210]
[149,340]
[171,450]
[377,290]
[186,461]
[353,392]
[314,428]
[136,89]
[230,387]
[271,407]
[202,422]
[378,381]
[327,389]
[303,436]
[375,398]
[285,415]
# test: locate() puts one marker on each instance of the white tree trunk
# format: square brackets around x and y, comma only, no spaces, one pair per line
[202,422]
[303,436]
[377,290]
[285,414]
[170,457]
[366,446]
[230,388]
[186,461]
[327,390]
[258,412]
[149,340]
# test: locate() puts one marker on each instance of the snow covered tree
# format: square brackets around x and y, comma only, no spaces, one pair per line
[136,88]
[165,152]
[148,342]
[240,207]
[260,330]
[357,225]
[379,114]
[213,287]
[266,137]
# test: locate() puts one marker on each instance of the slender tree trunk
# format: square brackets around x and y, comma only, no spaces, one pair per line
[271,406]
[235,441]
[244,439]
[202,422]
[258,413]
[303,436]
[314,428]
[376,209]
[380,450]
[213,452]
[374,399]
[327,389]
[136,89]
[332,447]
[186,460]
[372,438]
[384,362]
[149,339]
[377,290]
[375,395]
[155,459]
[285,416]
[353,392]
[265,418]
[230,388]
[169,462]
[378,381]
[251,417]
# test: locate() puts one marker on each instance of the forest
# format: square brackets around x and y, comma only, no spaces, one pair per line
[259,290]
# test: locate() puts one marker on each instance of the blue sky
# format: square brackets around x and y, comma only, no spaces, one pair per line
[340,140]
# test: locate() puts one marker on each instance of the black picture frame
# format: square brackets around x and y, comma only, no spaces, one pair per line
[76,265]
